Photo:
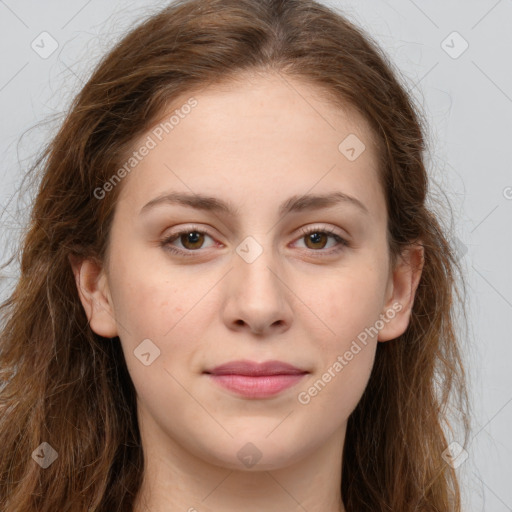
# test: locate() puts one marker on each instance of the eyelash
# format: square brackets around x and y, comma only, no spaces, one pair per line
[342,243]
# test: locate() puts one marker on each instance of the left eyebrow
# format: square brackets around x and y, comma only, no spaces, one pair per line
[293,204]
[317,202]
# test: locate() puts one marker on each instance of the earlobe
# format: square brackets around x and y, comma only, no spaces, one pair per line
[94,294]
[403,284]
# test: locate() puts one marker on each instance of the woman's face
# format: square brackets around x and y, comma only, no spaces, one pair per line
[239,278]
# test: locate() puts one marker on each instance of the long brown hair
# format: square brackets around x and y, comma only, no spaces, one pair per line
[65,385]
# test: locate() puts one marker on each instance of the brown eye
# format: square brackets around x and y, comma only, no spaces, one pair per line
[192,240]
[317,239]
[187,241]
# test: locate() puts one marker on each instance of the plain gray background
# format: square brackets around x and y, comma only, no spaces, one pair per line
[466,97]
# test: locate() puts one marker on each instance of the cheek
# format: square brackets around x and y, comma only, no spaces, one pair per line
[161,310]
[347,303]
[346,353]
[148,301]
[165,309]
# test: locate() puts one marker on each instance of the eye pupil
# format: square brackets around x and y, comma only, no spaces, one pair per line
[193,237]
[315,238]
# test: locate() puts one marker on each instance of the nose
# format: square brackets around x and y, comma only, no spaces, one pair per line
[257,297]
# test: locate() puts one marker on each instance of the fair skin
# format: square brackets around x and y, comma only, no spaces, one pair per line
[253,145]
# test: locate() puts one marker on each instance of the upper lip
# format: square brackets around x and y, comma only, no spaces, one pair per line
[253,368]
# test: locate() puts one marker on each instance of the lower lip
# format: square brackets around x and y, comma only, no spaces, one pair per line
[259,386]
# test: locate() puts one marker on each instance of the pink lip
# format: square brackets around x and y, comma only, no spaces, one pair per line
[256,380]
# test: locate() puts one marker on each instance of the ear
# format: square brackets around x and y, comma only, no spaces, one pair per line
[401,290]
[94,294]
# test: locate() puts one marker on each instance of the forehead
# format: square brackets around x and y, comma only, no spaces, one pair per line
[260,105]
[258,136]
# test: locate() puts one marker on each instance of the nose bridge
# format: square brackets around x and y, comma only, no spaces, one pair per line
[257,296]
[255,266]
